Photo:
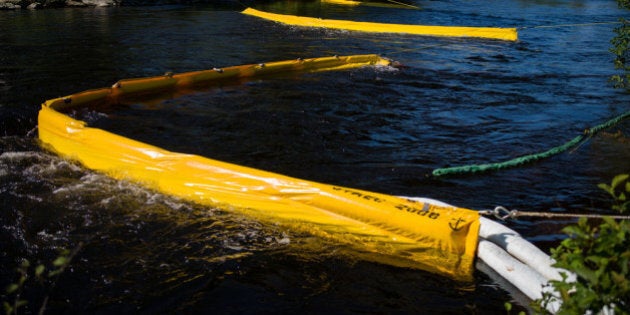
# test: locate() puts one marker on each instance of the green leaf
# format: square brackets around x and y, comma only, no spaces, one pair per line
[8,309]
[39,270]
[618,180]
[12,288]
[61,261]
[22,279]
[606,187]
[573,230]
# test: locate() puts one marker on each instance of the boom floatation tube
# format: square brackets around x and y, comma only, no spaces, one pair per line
[509,34]
[379,227]
[389,4]
[343,2]
[402,231]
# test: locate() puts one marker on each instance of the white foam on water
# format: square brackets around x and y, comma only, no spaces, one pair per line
[93,208]
[386,69]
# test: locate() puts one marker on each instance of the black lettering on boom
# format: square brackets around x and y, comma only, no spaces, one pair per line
[359,194]
[422,212]
[425,211]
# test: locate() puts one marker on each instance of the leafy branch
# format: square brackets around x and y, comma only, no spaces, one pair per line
[42,275]
[600,258]
[621,45]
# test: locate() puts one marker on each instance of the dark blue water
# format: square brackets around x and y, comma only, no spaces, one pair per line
[456,101]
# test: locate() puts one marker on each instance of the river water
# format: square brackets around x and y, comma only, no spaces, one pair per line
[455,102]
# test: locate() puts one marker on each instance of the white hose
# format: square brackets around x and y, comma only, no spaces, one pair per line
[515,259]
[525,278]
[521,249]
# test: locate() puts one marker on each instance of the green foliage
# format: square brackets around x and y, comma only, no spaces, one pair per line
[15,289]
[508,309]
[621,45]
[40,273]
[619,189]
[600,258]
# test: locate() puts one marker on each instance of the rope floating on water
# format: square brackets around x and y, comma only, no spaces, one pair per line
[503,214]
[404,4]
[478,168]
[568,25]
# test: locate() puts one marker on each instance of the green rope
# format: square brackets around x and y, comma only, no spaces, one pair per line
[478,168]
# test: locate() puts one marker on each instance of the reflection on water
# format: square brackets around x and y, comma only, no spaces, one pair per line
[456,101]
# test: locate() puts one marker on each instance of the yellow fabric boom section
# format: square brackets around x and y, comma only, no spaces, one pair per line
[382,228]
[509,34]
[389,4]
[343,2]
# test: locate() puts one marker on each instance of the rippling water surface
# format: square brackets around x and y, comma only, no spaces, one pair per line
[455,102]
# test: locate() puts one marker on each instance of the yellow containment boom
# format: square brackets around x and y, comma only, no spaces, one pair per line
[343,2]
[388,4]
[378,227]
[451,31]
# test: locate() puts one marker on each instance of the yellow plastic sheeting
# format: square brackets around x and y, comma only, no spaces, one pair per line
[389,4]
[344,2]
[379,227]
[199,78]
[452,31]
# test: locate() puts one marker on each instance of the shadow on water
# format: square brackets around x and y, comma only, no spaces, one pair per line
[456,101]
